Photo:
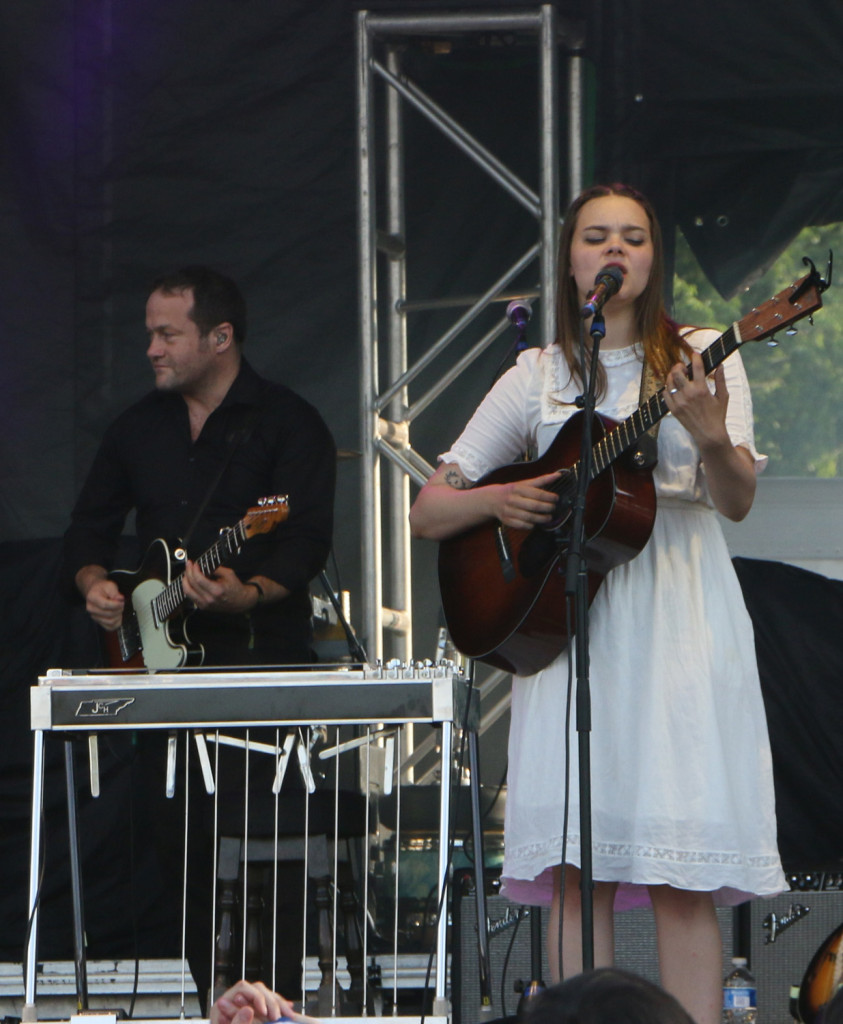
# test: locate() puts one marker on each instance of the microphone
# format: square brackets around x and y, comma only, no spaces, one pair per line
[519,312]
[607,283]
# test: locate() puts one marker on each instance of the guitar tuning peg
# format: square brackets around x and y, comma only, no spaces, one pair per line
[773,342]
[791,331]
[811,319]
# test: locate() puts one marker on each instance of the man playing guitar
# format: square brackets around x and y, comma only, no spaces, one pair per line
[190,459]
[211,413]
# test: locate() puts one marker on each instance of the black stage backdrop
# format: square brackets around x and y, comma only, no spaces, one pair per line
[140,137]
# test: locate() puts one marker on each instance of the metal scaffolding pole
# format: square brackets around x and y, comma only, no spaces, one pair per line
[549,141]
[399,483]
[386,413]
[367,285]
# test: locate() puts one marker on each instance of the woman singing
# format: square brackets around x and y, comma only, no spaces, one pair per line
[683,810]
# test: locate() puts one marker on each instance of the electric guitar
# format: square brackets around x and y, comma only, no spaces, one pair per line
[822,979]
[153,634]
[503,590]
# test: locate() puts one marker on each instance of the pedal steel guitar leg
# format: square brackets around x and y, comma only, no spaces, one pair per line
[29,1012]
[80,963]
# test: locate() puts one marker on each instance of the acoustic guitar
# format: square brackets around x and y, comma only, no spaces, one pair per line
[503,590]
[153,632]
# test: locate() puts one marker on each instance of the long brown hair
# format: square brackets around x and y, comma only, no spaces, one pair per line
[659,335]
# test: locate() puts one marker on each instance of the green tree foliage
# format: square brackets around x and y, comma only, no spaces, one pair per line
[797,386]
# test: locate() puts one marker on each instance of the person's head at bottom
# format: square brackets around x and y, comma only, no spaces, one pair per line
[607,995]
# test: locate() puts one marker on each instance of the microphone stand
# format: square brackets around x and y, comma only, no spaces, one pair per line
[520,343]
[576,586]
[355,648]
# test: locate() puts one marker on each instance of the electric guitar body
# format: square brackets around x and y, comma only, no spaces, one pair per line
[822,979]
[153,633]
[144,640]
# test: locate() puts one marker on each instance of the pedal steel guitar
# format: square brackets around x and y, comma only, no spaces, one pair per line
[100,700]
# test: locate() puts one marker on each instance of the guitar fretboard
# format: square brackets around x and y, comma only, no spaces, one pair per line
[171,598]
[627,433]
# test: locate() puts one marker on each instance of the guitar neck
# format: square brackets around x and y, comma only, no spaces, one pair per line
[171,598]
[628,432]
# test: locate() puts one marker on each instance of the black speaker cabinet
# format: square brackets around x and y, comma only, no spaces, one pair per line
[785,934]
[510,951]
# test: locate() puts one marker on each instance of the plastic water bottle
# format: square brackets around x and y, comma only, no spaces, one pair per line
[739,991]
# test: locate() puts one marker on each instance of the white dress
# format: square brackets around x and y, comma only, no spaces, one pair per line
[682,782]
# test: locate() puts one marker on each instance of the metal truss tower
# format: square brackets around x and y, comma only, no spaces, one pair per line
[385,411]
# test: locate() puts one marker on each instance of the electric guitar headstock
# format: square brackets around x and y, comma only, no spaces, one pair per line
[266,515]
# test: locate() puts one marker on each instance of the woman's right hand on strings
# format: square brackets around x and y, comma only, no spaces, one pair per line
[524,504]
[449,503]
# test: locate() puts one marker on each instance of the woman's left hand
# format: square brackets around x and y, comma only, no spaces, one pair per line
[700,412]
[730,471]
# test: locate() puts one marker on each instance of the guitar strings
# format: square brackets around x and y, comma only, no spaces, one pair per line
[626,433]
[171,598]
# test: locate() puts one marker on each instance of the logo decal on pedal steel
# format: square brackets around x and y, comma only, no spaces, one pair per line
[101,707]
